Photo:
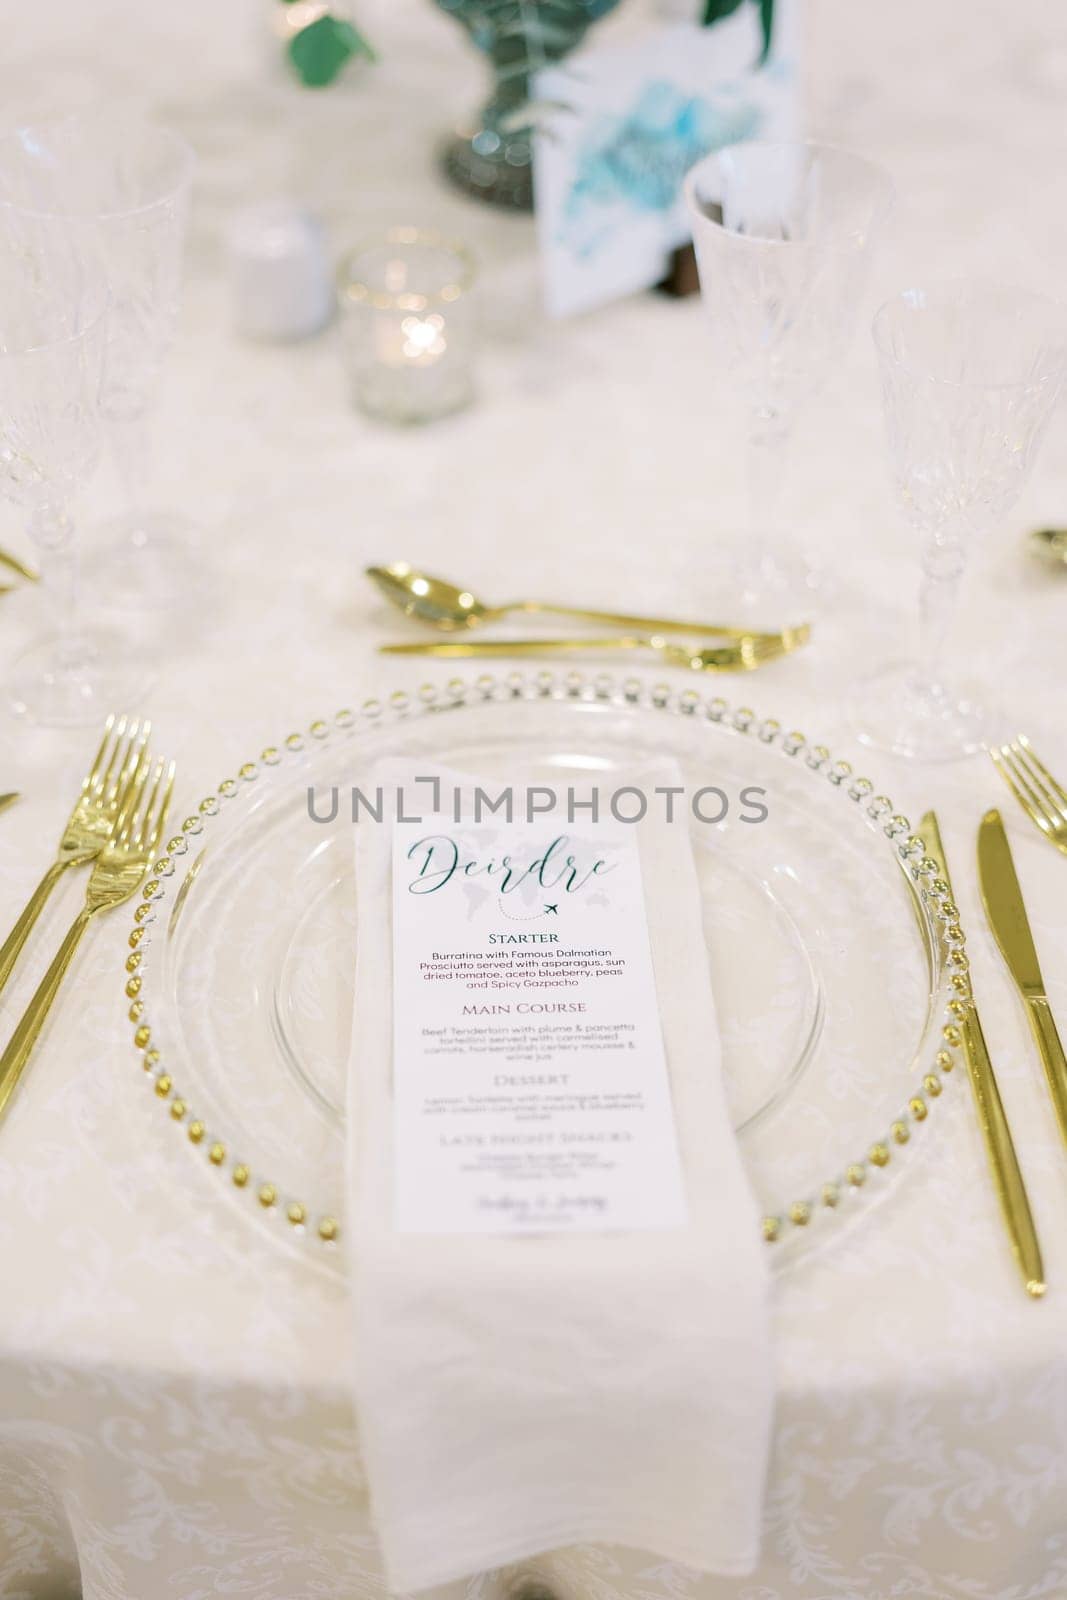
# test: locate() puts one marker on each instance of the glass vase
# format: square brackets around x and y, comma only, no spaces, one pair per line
[493,156]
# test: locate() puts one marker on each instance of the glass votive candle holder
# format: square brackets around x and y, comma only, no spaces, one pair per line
[407,325]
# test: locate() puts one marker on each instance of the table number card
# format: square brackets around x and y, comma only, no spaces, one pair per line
[531,1088]
[621,124]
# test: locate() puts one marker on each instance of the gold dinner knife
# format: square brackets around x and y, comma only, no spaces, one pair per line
[7,800]
[992,1118]
[1011,928]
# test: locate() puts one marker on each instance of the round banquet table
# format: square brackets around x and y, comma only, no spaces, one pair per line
[175,1420]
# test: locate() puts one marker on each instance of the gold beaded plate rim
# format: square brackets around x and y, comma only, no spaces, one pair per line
[937,918]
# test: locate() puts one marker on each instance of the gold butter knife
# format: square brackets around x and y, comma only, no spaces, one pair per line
[1006,911]
[7,800]
[992,1118]
[740,655]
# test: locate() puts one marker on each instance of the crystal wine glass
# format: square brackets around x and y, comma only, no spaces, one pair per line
[783,235]
[122,186]
[970,375]
[53,328]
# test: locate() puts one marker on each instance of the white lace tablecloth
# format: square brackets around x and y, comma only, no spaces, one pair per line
[174,1413]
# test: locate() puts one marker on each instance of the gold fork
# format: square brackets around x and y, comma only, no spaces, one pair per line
[119,870]
[741,655]
[121,750]
[1037,791]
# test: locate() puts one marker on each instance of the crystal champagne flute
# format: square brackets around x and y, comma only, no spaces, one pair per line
[53,334]
[783,235]
[970,375]
[122,187]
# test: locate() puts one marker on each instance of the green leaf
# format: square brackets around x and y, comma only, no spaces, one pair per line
[319,51]
[766,17]
[715,10]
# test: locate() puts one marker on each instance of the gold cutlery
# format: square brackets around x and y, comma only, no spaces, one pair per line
[992,1118]
[13,564]
[741,655]
[117,875]
[7,800]
[1051,545]
[1041,797]
[1006,912]
[435,600]
[122,750]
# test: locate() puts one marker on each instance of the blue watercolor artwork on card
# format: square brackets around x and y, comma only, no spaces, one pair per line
[621,122]
[637,159]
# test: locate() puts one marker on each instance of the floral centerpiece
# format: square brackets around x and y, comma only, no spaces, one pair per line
[493,157]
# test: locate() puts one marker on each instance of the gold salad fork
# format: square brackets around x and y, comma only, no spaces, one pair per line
[122,750]
[118,873]
[1037,791]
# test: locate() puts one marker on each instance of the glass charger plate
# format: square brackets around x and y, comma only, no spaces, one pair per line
[835,953]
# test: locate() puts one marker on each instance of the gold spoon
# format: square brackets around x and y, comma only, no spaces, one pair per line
[436,600]
[1051,545]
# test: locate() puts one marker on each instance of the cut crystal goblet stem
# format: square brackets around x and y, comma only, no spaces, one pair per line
[768,451]
[51,529]
[942,578]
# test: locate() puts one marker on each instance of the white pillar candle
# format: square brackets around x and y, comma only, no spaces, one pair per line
[280,280]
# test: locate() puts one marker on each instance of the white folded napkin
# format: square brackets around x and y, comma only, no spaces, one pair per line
[521,1394]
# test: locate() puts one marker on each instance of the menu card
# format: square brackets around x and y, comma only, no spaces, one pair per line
[530,1085]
